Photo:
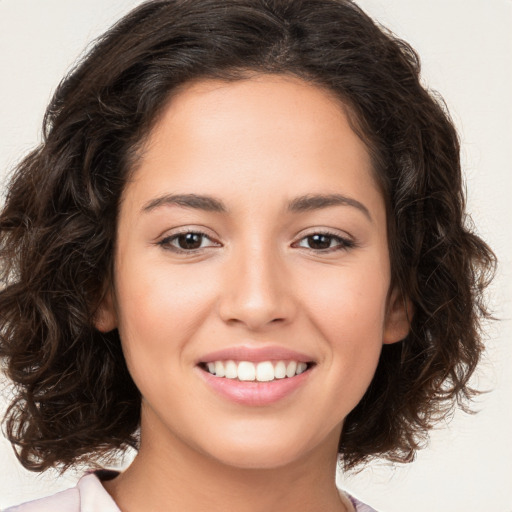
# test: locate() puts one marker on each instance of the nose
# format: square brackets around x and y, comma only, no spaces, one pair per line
[257,291]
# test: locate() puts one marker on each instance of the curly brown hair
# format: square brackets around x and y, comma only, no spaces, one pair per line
[75,399]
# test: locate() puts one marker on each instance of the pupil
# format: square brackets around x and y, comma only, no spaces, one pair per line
[319,241]
[189,241]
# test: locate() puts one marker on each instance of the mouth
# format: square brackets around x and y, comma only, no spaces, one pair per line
[256,376]
[256,371]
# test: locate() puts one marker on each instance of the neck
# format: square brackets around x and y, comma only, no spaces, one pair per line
[169,475]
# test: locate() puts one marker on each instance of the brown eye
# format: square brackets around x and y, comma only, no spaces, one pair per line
[325,242]
[189,241]
[319,241]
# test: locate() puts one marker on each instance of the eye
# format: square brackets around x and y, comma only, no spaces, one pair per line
[187,241]
[325,242]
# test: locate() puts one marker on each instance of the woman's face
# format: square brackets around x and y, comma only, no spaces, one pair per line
[252,232]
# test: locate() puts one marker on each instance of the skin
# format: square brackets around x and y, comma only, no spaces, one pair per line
[257,279]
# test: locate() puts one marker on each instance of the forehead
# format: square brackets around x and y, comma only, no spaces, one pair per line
[212,96]
[269,103]
[246,136]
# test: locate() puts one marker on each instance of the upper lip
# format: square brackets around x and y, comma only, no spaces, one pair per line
[256,354]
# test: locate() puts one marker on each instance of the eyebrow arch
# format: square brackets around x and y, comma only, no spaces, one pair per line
[299,204]
[195,201]
[318,201]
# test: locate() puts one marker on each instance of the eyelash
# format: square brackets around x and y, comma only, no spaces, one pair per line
[343,243]
[166,242]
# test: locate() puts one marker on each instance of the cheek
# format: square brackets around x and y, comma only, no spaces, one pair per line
[348,309]
[350,301]
[160,310]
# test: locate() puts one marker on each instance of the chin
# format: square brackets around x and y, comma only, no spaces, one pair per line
[258,459]
[267,451]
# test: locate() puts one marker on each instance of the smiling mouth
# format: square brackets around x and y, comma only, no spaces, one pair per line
[263,371]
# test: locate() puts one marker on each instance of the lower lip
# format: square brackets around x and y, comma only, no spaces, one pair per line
[254,393]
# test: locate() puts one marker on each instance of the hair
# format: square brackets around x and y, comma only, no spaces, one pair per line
[74,398]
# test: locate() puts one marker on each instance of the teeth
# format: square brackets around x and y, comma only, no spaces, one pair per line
[264,371]
[280,370]
[290,369]
[230,370]
[219,369]
[246,371]
[301,368]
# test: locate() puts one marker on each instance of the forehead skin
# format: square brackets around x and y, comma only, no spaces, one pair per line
[197,129]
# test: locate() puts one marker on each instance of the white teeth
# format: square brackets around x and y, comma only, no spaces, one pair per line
[264,371]
[290,369]
[301,368]
[246,371]
[280,370]
[231,370]
[219,369]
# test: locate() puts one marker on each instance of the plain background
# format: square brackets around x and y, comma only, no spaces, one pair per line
[466,51]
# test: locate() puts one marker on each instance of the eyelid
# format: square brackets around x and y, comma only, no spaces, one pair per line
[170,235]
[346,241]
[186,228]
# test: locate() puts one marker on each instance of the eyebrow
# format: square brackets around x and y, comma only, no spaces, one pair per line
[199,202]
[300,204]
[318,201]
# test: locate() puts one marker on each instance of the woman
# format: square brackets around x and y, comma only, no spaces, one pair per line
[243,234]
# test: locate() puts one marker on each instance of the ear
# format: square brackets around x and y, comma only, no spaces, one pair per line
[105,318]
[398,317]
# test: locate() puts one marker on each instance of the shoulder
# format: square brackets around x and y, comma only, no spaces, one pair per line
[64,501]
[358,506]
[88,494]
[361,507]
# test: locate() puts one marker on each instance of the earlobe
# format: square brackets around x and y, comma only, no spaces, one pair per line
[398,317]
[105,318]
